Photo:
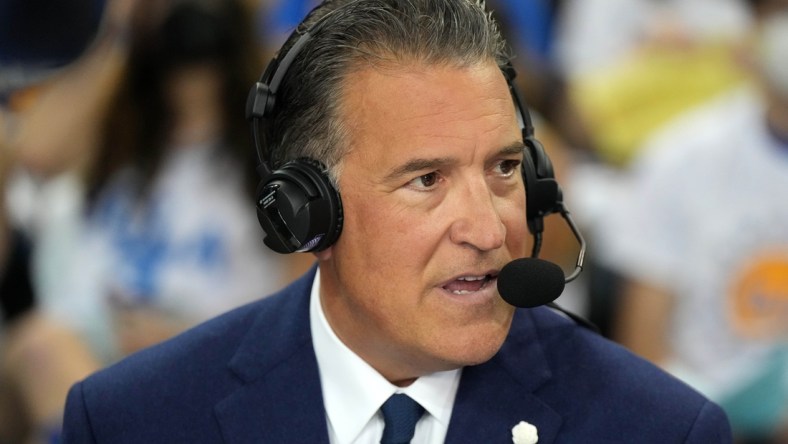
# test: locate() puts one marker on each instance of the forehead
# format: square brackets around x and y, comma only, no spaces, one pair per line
[420,100]
[421,74]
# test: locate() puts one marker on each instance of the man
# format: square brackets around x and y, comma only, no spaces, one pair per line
[406,106]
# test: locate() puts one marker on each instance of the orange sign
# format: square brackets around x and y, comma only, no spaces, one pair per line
[759,298]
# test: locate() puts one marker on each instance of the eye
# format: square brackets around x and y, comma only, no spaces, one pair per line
[507,168]
[425,181]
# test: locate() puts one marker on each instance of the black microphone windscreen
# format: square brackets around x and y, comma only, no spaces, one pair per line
[530,282]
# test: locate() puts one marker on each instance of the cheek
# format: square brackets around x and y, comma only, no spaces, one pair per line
[386,234]
[517,237]
[383,248]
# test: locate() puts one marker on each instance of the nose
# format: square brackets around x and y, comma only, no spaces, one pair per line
[478,222]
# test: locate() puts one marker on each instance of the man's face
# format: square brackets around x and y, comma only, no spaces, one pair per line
[434,207]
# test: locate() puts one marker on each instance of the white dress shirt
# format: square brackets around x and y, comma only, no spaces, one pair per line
[353,391]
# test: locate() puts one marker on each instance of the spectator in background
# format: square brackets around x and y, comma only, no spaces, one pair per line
[703,242]
[145,223]
[631,65]
[169,188]
[37,38]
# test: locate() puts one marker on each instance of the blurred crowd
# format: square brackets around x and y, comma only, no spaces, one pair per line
[127,180]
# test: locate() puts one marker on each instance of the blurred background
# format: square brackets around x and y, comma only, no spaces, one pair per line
[126,181]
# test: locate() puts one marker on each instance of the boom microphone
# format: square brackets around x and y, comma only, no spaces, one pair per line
[530,282]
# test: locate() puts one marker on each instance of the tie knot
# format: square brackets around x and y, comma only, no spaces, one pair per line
[401,413]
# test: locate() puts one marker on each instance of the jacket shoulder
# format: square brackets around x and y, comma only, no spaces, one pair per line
[602,389]
[173,387]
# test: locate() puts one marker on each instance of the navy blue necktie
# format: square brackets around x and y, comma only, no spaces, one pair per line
[401,413]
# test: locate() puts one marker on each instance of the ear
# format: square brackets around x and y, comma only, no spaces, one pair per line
[324,255]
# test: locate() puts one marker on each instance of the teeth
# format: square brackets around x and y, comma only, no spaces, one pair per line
[472,278]
[459,292]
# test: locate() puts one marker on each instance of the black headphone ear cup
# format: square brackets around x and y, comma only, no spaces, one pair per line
[298,208]
[542,194]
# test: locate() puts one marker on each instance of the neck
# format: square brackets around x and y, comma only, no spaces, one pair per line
[389,363]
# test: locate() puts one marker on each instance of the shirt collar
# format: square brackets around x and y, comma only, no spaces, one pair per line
[353,391]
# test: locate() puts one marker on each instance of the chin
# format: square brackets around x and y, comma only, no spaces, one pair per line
[475,348]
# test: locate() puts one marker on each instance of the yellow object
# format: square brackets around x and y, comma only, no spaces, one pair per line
[624,104]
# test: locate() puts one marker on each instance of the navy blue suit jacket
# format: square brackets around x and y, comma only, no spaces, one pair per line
[251,376]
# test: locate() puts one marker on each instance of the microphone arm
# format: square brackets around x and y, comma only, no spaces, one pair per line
[582,253]
[578,236]
[578,267]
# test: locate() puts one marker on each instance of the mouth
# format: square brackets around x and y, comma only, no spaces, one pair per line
[470,283]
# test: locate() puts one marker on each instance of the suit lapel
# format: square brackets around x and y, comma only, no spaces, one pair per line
[495,396]
[280,395]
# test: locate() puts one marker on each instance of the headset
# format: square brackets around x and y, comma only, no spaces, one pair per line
[299,208]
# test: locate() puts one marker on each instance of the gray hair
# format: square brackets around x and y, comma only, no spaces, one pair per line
[357,33]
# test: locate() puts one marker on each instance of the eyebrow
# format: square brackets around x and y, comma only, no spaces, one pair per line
[513,148]
[434,163]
